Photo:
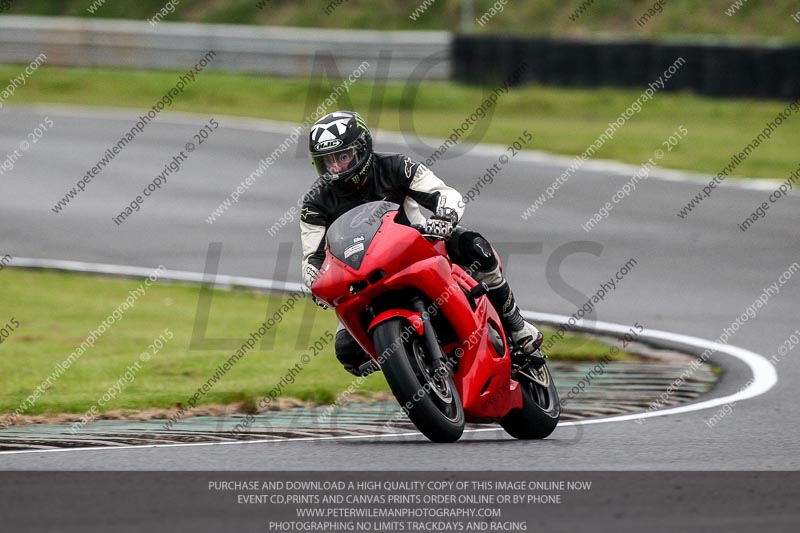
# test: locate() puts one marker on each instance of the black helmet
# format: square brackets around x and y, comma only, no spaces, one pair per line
[341,149]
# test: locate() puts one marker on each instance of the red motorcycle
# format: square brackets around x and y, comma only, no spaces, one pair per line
[431,329]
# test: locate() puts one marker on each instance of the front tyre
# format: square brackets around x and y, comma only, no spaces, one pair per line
[541,408]
[429,398]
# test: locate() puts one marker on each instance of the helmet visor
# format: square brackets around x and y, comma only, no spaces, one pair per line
[340,164]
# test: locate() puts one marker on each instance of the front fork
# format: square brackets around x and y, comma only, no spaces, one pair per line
[429,336]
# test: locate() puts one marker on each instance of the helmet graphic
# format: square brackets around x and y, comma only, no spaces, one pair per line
[341,149]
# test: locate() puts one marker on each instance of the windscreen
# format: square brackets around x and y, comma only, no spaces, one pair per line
[350,235]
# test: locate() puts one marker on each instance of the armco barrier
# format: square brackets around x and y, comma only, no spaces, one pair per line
[277,51]
[711,68]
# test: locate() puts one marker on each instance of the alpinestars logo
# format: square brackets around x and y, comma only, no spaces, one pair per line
[408,167]
[306,213]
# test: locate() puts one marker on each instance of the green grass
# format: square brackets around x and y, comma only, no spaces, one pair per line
[679,17]
[57,310]
[563,121]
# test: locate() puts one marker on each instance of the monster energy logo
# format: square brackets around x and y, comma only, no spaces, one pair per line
[360,122]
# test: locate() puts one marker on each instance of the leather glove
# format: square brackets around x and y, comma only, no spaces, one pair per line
[442,223]
[310,273]
[318,302]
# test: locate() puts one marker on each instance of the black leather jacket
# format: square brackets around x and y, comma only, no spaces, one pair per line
[394,178]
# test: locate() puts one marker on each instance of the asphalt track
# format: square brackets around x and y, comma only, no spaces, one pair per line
[693,276]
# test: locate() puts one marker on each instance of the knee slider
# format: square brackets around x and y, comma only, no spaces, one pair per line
[474,248]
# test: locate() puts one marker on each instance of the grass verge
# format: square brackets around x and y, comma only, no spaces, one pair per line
[56,311]
[562,121]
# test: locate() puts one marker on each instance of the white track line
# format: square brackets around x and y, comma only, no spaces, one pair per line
[601,166]
[764,374]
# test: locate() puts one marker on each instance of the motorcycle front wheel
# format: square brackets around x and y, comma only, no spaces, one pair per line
[428,397]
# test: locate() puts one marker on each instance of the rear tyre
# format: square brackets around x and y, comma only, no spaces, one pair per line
[430,399]
[540,410]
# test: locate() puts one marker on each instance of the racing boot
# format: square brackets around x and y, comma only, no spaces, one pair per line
[352,356]
[525,335]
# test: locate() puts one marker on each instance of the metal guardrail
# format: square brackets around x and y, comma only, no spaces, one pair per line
[281,51]
[714,69]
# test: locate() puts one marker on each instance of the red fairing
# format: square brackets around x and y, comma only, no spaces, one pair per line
[412,317]
[399,259]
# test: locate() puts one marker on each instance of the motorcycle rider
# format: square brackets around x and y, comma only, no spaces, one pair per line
[351,174]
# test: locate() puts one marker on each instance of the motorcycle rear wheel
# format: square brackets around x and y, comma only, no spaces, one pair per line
[540,411]
[430,399]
